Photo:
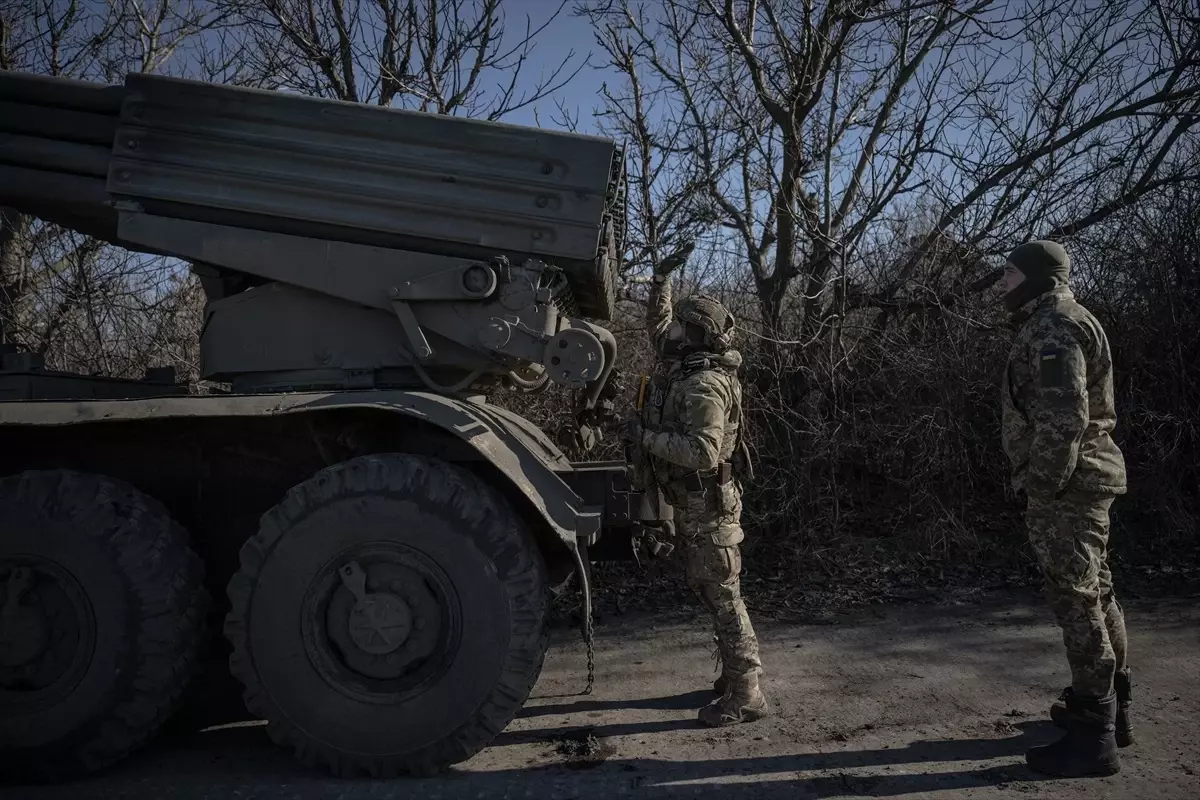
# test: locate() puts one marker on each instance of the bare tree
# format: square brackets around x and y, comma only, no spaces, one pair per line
[806,126]
[666,213]
[104,41]
[80,303]
[856,166]
[443,56]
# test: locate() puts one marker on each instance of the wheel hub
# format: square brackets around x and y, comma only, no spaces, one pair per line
[382,619]
[23,634]
[23,637]
[46,626]
[379,623]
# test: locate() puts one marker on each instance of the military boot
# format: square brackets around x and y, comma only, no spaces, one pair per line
[722,683]
[742,701]
[1089,746]
[722,663]
[1123,685]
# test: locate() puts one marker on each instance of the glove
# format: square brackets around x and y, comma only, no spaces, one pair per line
[674,260]
[632,431]
[651,539]
[577,441]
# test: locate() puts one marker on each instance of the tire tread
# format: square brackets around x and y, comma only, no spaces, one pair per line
[164,576]
[480,508]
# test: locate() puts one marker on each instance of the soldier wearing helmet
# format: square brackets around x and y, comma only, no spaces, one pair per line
[688,438]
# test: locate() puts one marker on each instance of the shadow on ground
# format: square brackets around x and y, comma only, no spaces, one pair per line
[242,762]
[915,702]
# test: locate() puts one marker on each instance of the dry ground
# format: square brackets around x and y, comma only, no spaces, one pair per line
[913,701]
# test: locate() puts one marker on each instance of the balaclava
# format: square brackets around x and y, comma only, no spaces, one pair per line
[1045,265]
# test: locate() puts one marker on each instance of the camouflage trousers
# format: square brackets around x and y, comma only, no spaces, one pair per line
[1070,537]
[713,565]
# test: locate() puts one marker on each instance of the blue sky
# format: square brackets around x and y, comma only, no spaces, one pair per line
[566,33]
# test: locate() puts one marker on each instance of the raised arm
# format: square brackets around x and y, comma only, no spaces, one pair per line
[658,310]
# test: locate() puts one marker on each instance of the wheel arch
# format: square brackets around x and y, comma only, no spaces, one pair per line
[312,430]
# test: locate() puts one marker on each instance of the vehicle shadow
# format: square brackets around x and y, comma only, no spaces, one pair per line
[242,761]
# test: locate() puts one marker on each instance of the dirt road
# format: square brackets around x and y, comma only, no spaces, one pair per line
[902,702]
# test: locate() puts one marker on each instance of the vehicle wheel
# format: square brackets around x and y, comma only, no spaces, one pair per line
[389,616]
[101,619]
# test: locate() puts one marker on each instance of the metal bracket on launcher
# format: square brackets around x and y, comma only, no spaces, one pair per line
[416,336]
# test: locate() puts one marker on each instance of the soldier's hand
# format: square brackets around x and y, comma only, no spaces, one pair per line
[631,430]
[652,540]
[577,440]
[674,260]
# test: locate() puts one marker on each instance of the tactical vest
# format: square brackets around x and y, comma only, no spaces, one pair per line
[739,464]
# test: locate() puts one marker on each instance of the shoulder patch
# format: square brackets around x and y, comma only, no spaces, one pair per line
[1052,372]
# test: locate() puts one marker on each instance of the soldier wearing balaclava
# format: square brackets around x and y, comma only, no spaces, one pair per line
[1058,418]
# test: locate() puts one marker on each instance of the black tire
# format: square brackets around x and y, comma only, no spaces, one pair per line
[473,653]
[112,610]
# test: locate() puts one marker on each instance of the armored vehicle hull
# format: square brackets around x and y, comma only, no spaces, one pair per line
[350,530]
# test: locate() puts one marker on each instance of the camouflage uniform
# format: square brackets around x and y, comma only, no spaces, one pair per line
[691,420]
[1058,417]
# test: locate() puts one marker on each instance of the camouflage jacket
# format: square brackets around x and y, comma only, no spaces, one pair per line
[1057,400]
[693,408]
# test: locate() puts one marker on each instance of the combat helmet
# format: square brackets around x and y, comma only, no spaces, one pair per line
[706,319]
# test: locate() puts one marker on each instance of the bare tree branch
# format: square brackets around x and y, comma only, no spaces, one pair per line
[431,55]
[805,128]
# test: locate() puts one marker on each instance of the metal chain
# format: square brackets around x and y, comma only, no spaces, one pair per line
[589,631]
[589,637]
